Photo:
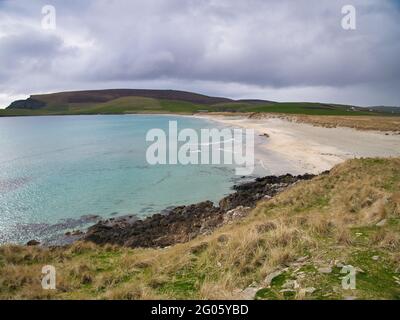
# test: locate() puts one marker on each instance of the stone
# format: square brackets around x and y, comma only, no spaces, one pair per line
[249,293]
[381,223]
[358,269]
[237,213]
[375,258]
[325,270]
[272,276]
[77,233]
[33,243]
[184,223]
[290,284]
[309,290]
[302,259]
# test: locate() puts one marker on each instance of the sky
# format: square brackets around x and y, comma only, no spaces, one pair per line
[275,50]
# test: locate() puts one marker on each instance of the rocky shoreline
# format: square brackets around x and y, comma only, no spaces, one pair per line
[183,223]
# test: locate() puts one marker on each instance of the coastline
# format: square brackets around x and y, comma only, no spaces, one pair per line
[287,147]
[304,148]
[183,223]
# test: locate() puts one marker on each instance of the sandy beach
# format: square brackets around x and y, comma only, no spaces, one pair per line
[298,148]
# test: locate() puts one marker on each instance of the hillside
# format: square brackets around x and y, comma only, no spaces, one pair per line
[292,246]
[123,101]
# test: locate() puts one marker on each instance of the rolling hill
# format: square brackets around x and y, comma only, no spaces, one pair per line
[125,101]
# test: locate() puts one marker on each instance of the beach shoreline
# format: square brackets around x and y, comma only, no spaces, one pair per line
[286,147]
[301,148]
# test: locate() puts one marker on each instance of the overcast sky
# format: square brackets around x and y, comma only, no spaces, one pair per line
[277,50]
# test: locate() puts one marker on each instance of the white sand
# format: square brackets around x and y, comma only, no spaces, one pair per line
[299,148]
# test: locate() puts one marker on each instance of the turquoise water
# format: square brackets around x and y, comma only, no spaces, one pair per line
[55,168]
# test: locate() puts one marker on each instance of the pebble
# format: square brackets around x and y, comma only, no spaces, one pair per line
[302,259]
[309,290]
[249,293]
[325,270]
[381,223]
[291,284]
[271,277]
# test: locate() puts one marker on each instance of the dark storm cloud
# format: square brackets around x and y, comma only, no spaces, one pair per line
[269,49]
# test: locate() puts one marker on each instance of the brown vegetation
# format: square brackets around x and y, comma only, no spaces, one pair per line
[301,236]
[380,123]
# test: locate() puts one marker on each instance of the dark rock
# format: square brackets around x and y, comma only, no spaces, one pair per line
[180,225]
[249,193]
[183,223]
[27,104]
[32,243]
[77,233]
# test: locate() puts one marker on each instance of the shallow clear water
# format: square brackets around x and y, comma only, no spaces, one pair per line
[54,168]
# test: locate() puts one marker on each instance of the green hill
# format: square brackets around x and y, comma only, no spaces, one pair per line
[122,101]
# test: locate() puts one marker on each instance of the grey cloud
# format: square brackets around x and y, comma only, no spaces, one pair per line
[255,46]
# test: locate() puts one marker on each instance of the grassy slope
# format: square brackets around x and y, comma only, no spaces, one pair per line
[55,105]
[328,220]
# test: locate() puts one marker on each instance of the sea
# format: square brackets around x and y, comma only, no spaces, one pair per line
[62,173]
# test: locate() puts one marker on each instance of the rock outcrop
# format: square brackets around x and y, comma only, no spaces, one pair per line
[183,223]
[27,104]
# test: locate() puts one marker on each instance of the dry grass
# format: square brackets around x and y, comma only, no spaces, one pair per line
[380,123]
[333,217]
